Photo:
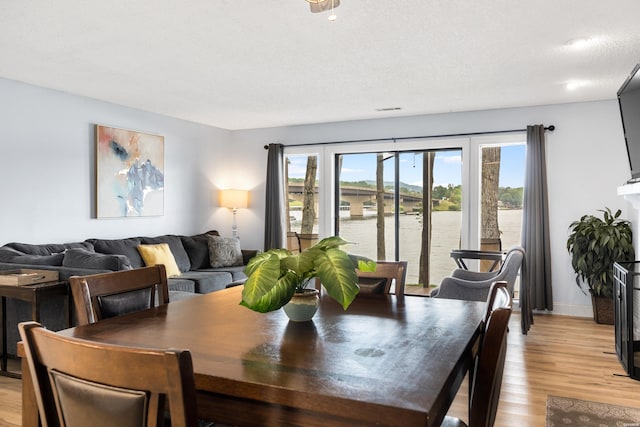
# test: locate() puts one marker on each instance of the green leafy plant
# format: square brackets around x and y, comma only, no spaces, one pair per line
[275,275]
[595,244]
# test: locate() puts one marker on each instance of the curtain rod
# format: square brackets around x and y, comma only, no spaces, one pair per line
[450,135]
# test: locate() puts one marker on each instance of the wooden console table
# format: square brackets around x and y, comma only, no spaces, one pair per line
[33,294]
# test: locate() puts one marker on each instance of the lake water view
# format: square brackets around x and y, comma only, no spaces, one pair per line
[445,236]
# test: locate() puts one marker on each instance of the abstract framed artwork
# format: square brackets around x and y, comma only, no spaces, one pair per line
[129,173]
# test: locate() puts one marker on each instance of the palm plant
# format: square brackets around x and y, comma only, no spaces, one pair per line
[275,275]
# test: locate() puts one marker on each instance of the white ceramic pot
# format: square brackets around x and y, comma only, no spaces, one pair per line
[302,306]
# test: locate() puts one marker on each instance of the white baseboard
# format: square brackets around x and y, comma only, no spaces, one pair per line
[562,310]
[571,310]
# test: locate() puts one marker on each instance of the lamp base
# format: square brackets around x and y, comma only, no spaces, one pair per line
[234,227]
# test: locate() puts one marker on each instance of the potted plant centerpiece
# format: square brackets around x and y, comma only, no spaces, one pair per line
[595,244]
[277,276]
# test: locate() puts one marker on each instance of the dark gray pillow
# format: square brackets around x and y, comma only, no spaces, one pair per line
[175,244]
[197,248]
[55,259]
[80,258]
[47,248]
[127,247]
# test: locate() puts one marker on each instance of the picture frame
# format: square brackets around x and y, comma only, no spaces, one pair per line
[129,173]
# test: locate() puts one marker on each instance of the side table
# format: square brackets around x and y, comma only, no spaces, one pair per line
[33,294]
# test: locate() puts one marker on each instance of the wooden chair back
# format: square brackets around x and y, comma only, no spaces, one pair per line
[498,297]
[381,280]
[100,296]
[487,380]
[486,373]
[85,383]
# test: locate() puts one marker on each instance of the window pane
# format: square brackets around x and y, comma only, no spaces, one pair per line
[368,216]
[444,175]
[501,198]
[367,203]
[302,202]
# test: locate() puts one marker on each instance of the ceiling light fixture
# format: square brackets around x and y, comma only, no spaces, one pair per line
[576,84]
[579,43]
[324,5]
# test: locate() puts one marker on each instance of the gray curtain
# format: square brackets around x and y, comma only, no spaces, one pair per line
[535,284]
[273,230]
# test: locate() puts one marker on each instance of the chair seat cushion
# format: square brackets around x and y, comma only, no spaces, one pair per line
[370,285]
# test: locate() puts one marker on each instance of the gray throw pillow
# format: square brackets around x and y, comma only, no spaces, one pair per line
[55,259]
[48,248]
[197,248]
[127,247]
[81,258]
[8,254]
[224,251]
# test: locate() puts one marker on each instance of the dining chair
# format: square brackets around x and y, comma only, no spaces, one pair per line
[474,285]
[383,279]
[81,383]
[486,375]
[499,296]
[100,296]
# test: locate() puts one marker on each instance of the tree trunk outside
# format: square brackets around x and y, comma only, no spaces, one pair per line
[380,206]
[490,176]
[286,194]
[308,204]
[428,159]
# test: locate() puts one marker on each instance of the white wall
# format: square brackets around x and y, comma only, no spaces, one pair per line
[47,177]
[586,163]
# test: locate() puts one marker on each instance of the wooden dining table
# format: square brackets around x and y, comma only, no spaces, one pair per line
[386,360]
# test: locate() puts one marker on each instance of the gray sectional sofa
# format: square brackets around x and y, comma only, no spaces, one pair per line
[93,256]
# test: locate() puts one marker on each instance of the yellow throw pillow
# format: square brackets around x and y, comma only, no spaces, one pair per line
[159,254]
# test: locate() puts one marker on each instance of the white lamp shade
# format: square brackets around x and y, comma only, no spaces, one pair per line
[234,199]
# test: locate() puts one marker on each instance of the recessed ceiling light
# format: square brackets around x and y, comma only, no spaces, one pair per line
[389,109]
[576,84]
[579,42]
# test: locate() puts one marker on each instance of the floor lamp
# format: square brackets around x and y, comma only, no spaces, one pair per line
[234,200]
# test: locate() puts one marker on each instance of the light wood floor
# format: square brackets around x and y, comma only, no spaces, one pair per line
[562,356]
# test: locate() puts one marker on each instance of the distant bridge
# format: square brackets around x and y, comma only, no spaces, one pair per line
[356,197]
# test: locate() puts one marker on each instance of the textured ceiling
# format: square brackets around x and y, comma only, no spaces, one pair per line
[239,64]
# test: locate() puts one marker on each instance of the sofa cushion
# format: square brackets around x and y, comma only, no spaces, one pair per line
[208,281]
[127,247]
[197,247]
[8,254]
[49,248]
[81,258]
[177,249]
[159,254]
[224,251]
[236,271]
[181,284]
[55,259]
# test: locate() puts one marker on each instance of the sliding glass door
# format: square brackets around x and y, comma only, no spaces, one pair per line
[414,200]
[382,197]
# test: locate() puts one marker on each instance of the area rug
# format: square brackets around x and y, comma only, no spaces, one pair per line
[564,411]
